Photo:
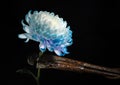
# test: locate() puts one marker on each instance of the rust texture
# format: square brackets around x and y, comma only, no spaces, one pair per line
[61,63]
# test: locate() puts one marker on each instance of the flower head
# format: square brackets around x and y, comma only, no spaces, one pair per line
[48,29]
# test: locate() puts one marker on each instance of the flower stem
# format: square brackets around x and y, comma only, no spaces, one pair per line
[38,71]
[38,76]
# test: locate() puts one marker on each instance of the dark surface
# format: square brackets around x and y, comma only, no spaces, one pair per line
[95,25]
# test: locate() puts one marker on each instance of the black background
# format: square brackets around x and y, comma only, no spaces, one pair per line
[95,26]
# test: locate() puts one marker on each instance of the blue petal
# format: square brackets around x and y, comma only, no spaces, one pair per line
[69,42]
[49,47]
[35,37]
[64,50]
[42,47]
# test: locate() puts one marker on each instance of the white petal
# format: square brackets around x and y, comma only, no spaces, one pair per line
[29,13]
[32,36]
[22,36]
[27,40]
[59,53]
[25,27]
[27,18]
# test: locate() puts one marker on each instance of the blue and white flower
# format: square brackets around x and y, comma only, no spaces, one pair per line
[48,29]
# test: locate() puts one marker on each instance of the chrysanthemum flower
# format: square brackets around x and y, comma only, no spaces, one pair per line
[48,29]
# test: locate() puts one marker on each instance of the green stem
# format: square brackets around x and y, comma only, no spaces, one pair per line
[38,72]
[38,76]
[40,54]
